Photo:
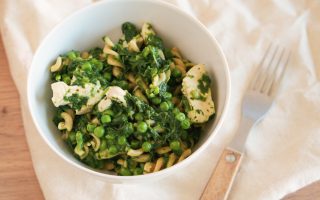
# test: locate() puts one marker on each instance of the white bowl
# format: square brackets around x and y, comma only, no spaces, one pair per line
[85,28]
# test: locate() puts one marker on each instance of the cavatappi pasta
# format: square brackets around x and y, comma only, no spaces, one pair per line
[134,106]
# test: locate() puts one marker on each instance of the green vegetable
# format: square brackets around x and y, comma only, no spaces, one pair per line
[103,145]
[175,145]
[95,52]
[164,106]
[105,119]
[58,77]
[139,126]
[66,79]
[91,127]
[86,67]
[185,124]
[146,146]
[108,112]
[72,55]
[113,149]
[79,147]
[142,127]
[125,172]
[129,30]
[138,116]
[110,136]
[175,111]
[156,100]
[156,41]
[138,171]
[135,144]
[167,95]
[122,140]
[176,73]
[180,116]
[170,104]
[204,83]
[107,76]
[99,131]
[76,101]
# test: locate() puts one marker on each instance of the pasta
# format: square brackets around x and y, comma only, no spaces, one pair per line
[126,106]
[135,152]
[68,122]
[57,66]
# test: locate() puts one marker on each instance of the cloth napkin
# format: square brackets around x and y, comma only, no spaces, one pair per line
[282,152]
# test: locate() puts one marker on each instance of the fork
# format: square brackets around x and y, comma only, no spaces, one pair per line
[257,100]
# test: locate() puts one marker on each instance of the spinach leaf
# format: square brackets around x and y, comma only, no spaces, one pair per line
[129,30]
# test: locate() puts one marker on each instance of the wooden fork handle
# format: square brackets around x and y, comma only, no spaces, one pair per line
[221,180]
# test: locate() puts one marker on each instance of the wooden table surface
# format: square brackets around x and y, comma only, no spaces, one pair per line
[17,177]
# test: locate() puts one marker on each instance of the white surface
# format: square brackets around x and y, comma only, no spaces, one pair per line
[68,35]
[282,151]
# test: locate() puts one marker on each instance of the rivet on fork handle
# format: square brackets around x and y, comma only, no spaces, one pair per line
[230,158]
[220,183]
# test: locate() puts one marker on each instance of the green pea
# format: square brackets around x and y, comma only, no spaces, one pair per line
[138,171]
[138,116]
[125,172]
[91,127]
[135,144]
[107,76]
[164,106]
[99,131]
[180,116]
[103,145]
[105,119]
[108,112]
[175,111]
[156,100]
[113,149]
[72,55]
[185,124]
[156,90]
[58,77]
[146,146]
[86,67]
[122,140]
[170,104]
[167,95]
[176,73]
[142,127]
[175,145]
[98,65]
[149,93]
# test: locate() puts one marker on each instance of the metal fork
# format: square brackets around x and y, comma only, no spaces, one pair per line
[257,101]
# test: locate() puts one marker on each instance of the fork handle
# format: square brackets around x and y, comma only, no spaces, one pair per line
[222,178]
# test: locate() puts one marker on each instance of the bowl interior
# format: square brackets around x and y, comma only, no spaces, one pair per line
[84,30]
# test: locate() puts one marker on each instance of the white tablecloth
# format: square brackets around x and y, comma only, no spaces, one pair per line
[282,152]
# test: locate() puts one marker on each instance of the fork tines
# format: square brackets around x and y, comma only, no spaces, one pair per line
[271,69]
